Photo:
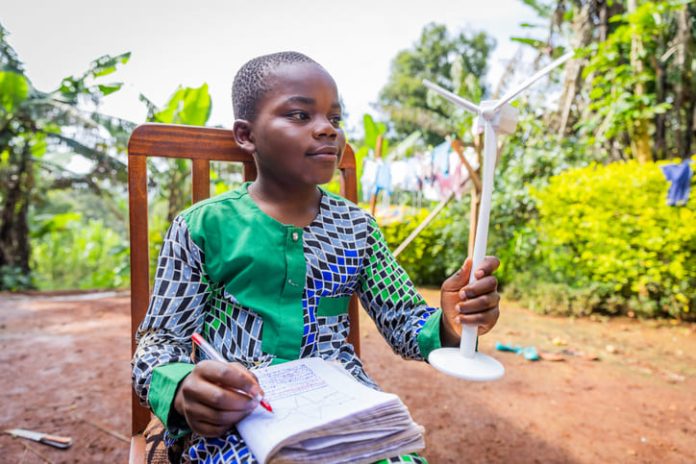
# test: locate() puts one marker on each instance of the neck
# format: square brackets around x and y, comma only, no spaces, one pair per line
[288,204]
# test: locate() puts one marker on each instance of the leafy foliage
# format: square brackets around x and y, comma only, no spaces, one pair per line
[456,62]
[189,106]
[71,253]
[606,241]
[630,91]
[615,107]
[13,278]
[40,133]
[529,159]
[435,253]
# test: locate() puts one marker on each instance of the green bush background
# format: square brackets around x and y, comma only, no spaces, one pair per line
[601,240]
[606,241]
[80,254]
[437,251]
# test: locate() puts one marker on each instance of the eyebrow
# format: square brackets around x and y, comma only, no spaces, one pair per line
[308,101]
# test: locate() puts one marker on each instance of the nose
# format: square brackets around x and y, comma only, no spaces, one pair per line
[324,128]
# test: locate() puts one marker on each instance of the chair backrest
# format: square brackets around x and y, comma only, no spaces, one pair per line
[201,145]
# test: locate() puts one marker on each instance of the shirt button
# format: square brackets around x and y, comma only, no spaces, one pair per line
[295,236]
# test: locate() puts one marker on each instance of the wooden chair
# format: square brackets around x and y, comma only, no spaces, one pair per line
[201,145]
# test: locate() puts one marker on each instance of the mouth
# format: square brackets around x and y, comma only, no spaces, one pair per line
[324,151]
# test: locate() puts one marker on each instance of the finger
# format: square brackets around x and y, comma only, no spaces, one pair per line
[479,287]
[479,304]
[217,397]
[459,278]
[198,412]
[230,376]
[484,320]
[487,267]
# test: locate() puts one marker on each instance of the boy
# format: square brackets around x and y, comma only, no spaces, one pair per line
[266,271]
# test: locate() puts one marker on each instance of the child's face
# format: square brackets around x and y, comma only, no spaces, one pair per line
[296,134]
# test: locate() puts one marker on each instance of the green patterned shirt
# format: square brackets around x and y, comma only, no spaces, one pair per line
[263,292]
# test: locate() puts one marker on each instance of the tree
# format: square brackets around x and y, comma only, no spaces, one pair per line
[630,91]
[456,62]
[36,128]
[625,99]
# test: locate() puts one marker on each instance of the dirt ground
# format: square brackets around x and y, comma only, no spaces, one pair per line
[66,371]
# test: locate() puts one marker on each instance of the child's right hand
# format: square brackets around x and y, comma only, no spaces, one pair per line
[208,401]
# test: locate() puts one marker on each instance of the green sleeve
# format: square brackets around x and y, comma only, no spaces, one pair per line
[429,335]
[163,387]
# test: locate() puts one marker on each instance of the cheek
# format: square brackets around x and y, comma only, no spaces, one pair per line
[273,139]
[287,135]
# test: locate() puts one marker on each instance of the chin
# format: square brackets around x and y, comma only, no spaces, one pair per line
[319,180]
[323,180]
[323,177]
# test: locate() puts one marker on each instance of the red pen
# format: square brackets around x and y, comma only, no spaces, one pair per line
[212,353]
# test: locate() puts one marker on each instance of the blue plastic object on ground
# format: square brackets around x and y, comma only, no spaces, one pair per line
[529,353]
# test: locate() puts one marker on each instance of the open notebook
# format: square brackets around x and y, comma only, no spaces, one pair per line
[322,414]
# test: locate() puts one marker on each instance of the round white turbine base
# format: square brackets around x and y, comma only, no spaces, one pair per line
[480,368]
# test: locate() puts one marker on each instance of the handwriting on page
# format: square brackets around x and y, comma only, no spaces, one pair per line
[282,383]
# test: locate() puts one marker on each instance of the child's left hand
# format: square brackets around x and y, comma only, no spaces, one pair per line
[472,304]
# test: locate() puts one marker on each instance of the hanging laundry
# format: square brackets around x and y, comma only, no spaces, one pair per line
[404,176]
[368,179]
[680,177]
[440,157]
[447,184]
[384,177]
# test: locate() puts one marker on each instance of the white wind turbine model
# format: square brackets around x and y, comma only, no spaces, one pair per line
[496,117]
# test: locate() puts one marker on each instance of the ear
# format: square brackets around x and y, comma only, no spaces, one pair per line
[243,135]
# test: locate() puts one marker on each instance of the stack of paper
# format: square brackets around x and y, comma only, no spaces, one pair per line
[322,414]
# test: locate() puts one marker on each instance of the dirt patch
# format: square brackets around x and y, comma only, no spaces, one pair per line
[66,371]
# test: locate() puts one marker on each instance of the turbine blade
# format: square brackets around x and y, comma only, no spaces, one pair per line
[456,99]
[538,75]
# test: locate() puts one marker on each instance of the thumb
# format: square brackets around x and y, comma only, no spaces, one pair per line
[459,279]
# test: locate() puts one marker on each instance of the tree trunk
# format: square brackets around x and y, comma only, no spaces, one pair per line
[603,21]
[640,137]
[684,94]
[582,36]
[14,228]
[660,97]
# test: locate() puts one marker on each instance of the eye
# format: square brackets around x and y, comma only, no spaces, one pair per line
[298,115]
[336,120]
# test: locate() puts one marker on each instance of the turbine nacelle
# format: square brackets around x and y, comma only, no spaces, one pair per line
[503,118]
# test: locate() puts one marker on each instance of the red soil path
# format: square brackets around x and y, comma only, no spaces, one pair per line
[66,371]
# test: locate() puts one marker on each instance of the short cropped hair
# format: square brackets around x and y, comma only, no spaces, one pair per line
[251,83]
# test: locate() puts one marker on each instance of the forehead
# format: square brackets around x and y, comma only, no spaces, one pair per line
[300,79]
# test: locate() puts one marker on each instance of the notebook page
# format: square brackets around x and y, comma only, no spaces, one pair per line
[305,394]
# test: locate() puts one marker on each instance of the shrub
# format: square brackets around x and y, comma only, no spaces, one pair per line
[80,255]
[436,252]
[14,278]
[606,234]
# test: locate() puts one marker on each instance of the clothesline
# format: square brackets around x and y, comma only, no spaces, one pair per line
[434,175]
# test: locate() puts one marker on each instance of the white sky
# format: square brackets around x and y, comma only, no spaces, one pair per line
[184,42]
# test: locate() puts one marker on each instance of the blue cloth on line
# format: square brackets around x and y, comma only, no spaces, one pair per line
[384,177]
[680,177]
[440,157]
